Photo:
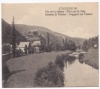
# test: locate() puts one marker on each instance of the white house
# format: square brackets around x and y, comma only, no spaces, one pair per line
[22,45]
[95,46]
[36,43]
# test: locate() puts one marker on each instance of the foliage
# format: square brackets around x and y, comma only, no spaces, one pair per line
[49,76]
[43,43]
[58,47]
[30,48]
[18,53]
[13,38]
[71,46]
[25,49]
[48,42]
[85,45]
[59,61]
[6,49]
[7,34]
[65,44]
[81,55]
[90,43]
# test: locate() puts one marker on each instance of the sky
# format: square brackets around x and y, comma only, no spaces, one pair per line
[84,26]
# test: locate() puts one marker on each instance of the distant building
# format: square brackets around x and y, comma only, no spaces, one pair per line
[36,43]
[32,35]
[36,49]
[22,45]
[95,46]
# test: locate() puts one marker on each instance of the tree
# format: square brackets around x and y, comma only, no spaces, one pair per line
[59,61]
[29,48]
[48,42]
[43,43]
[71,46]
[25,49]
[58,47]
[85,45]
[65,44]
[13,38]
[35,33]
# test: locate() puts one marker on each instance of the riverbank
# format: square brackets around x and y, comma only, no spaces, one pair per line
[92,58]
[30,64]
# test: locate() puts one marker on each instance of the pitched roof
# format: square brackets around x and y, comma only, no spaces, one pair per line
[22,44]
[35,43]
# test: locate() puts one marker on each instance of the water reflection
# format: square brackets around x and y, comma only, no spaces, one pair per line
[69,61]
[78,73]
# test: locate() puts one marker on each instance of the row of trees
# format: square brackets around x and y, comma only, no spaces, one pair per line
[47,45]
[90,43]
[69,45]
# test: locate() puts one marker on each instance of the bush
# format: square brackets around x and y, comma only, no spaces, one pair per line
[5,49]
[18,53]
[81,56]
[59,61]
[49,76]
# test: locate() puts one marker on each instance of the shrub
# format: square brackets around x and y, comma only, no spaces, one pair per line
[59,61]
[81,56]
[49,76]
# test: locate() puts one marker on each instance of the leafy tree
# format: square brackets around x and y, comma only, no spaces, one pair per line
[43,43]
[35,33]
[58,47]
[71,46]
[90,43]
[59,61]
[85,45]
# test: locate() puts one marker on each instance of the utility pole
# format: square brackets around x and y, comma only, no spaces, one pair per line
[13,38]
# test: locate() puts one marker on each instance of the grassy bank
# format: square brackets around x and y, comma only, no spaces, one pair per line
[30,64]
[92,58]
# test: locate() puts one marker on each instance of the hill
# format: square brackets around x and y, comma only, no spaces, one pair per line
[7,33]
[54,36]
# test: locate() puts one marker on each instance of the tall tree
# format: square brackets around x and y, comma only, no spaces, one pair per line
[65,44]
[13,38]
[48,42]
[85,45]
[43,43]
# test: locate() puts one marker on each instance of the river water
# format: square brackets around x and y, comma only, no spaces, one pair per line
[77,75]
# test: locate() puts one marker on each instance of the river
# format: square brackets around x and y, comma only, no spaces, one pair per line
[80,74]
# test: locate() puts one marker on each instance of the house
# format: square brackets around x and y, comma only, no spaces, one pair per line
[22,45]
[36,49]
[95,46]
[36,43]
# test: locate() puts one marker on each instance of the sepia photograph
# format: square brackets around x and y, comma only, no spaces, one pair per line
[50,45]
